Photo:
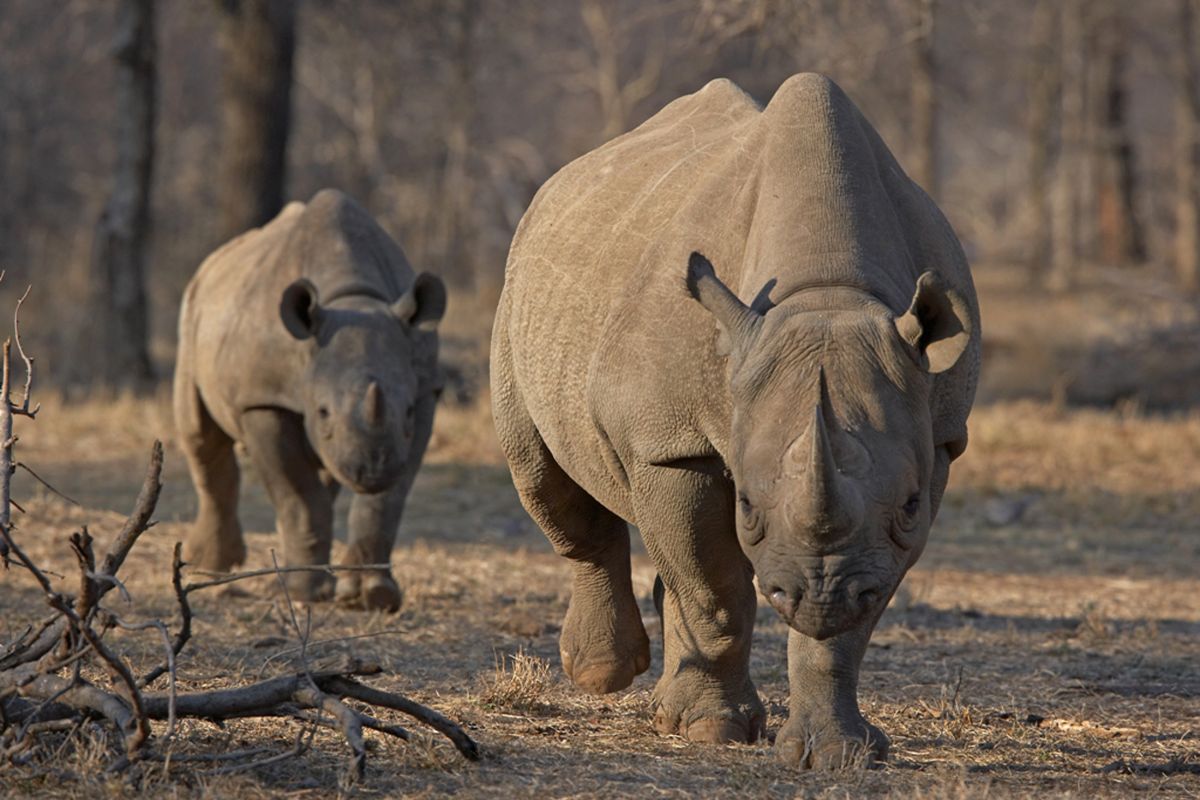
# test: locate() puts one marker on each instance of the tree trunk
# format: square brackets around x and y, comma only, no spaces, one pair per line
[119,251]
[257,40]
[923,97]
[452,234]
[1122,240]
[1187,161]
[1043,93]
[1069,174]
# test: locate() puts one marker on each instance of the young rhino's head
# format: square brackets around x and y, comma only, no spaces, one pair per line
[359,394]
[831,445]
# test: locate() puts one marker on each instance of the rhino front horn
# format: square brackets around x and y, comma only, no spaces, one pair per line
[373,406]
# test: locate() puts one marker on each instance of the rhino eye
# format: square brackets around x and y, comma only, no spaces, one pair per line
[751,518]
[912,506]
[323,412]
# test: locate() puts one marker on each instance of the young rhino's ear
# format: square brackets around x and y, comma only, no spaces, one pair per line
[937,324]
[739,323]
[299,309]
[424,304]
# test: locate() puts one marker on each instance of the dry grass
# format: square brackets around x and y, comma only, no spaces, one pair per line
[1052,653]
[1045,646]
[521,682]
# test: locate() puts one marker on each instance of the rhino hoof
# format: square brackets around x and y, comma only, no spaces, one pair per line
[372,593]
[381,593]
[832,752]
[609,676]
[207,553]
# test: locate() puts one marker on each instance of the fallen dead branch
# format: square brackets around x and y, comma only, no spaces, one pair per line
[43,688]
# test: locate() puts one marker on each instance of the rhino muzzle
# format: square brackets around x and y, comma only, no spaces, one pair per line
[820,605]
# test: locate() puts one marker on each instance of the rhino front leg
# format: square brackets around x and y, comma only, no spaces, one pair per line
[825,728]
[374,520]
[215,539]
[708,606]
[288,467]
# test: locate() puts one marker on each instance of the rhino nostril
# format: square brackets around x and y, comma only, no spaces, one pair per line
[783,601]
[868,597]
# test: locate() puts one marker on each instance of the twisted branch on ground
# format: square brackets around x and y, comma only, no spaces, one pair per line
[43,690]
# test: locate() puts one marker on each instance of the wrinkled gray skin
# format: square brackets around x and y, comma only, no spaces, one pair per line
[311,343]
[785,406]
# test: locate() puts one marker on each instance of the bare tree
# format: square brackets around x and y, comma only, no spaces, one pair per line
[923,96]
[1043,92]
[450,228]
[1069,171]
[257,40]
[119,251]
[1187,138]
[618,94]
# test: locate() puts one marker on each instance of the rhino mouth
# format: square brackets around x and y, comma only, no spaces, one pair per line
[825,623]
[819,615]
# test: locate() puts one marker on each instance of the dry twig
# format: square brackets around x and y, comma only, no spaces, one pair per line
[35,698]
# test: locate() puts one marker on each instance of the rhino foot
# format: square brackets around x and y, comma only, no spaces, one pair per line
[213,552]
[310,586]
[372,592]
[811,744]
[603,644]
[689,707]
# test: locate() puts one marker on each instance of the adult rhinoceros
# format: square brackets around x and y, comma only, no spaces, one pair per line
[796,424]
[312,343]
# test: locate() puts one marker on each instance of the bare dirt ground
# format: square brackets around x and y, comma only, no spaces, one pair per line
[1048,643]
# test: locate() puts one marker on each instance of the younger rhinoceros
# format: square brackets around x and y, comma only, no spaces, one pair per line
[797,423]
[313,344]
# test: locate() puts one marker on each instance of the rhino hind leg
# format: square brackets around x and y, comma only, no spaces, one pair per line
[707,605]
[303,502]
[215,539]
[603,643]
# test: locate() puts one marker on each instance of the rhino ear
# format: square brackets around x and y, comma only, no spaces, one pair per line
[424,304]
[299,309]
[739,323]
[937,324]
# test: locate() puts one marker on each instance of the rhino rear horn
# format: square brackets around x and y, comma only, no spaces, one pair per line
[424,304]
[937,324]
[739,323]
[299,309]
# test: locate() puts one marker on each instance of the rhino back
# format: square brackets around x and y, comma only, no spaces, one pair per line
[231,333]
[614,360]
[586,245]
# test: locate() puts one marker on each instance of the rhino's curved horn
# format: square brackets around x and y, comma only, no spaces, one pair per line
[739,322]
[374,408]
[829,502]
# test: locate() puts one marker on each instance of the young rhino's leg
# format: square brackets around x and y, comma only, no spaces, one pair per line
[705,693]
[374,519]
[215,540]
[279,449]
[374,522]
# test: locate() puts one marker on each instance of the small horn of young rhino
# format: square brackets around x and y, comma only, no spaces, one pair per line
[373,406]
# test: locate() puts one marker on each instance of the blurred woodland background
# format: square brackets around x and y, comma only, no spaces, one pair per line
[1059,136]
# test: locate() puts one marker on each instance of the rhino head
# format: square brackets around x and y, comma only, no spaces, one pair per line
[359,390]
[831,441]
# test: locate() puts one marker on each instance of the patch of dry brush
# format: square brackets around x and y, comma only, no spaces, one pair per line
[50,675]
